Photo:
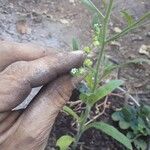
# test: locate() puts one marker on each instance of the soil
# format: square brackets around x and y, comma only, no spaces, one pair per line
[54,23]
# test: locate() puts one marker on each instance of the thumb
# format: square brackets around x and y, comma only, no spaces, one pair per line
[41,113]
[17,80]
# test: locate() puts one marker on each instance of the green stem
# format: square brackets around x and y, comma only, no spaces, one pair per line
[81,127]
[100,56]
[77,138]
[97,67]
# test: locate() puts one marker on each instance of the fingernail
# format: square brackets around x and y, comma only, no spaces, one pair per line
[79,52]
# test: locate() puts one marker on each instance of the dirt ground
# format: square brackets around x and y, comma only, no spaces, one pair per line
[55,22]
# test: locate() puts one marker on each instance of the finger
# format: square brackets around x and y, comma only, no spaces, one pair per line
[5,136]
[11,52]
[4,115]
[9,121]
[17,80]
[41,114]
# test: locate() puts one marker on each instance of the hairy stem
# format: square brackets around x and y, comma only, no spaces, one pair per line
[81,127]
[77,138]
[100,55]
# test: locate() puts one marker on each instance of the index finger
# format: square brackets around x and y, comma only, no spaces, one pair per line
[17,80]
[11,52]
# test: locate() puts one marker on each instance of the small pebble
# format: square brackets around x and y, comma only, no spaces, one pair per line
[145,50]
[114,43]
[117,30]
[64,21]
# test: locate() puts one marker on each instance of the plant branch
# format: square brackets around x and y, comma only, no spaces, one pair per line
[88,108]
[105,26]
[81,126]
[129,28]
[73,103]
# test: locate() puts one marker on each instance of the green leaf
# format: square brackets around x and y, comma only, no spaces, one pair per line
[108,69]
[130,28]
[90,5]
[69,111]
[145,110]
[124,125]
[128,17]
[140,144]
[142,126]
[64,142]
[127,113]
[111,131]
[75,44]
[116,116]
[85,97]
[137,61]
[103,91]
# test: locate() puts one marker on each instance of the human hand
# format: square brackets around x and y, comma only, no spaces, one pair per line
[22,67]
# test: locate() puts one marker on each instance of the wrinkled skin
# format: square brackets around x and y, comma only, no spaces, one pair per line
[22,67]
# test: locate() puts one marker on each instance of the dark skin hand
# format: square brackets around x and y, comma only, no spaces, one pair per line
[23,67]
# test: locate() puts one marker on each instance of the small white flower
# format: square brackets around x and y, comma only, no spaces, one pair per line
[74,70]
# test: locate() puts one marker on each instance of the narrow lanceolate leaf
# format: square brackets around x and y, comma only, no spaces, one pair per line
[111,131]
[137,61]
[130,28]
[130,20]
[75,44]
[90,5]
[69,111]
[64,142]
[103,91]
[110,68]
